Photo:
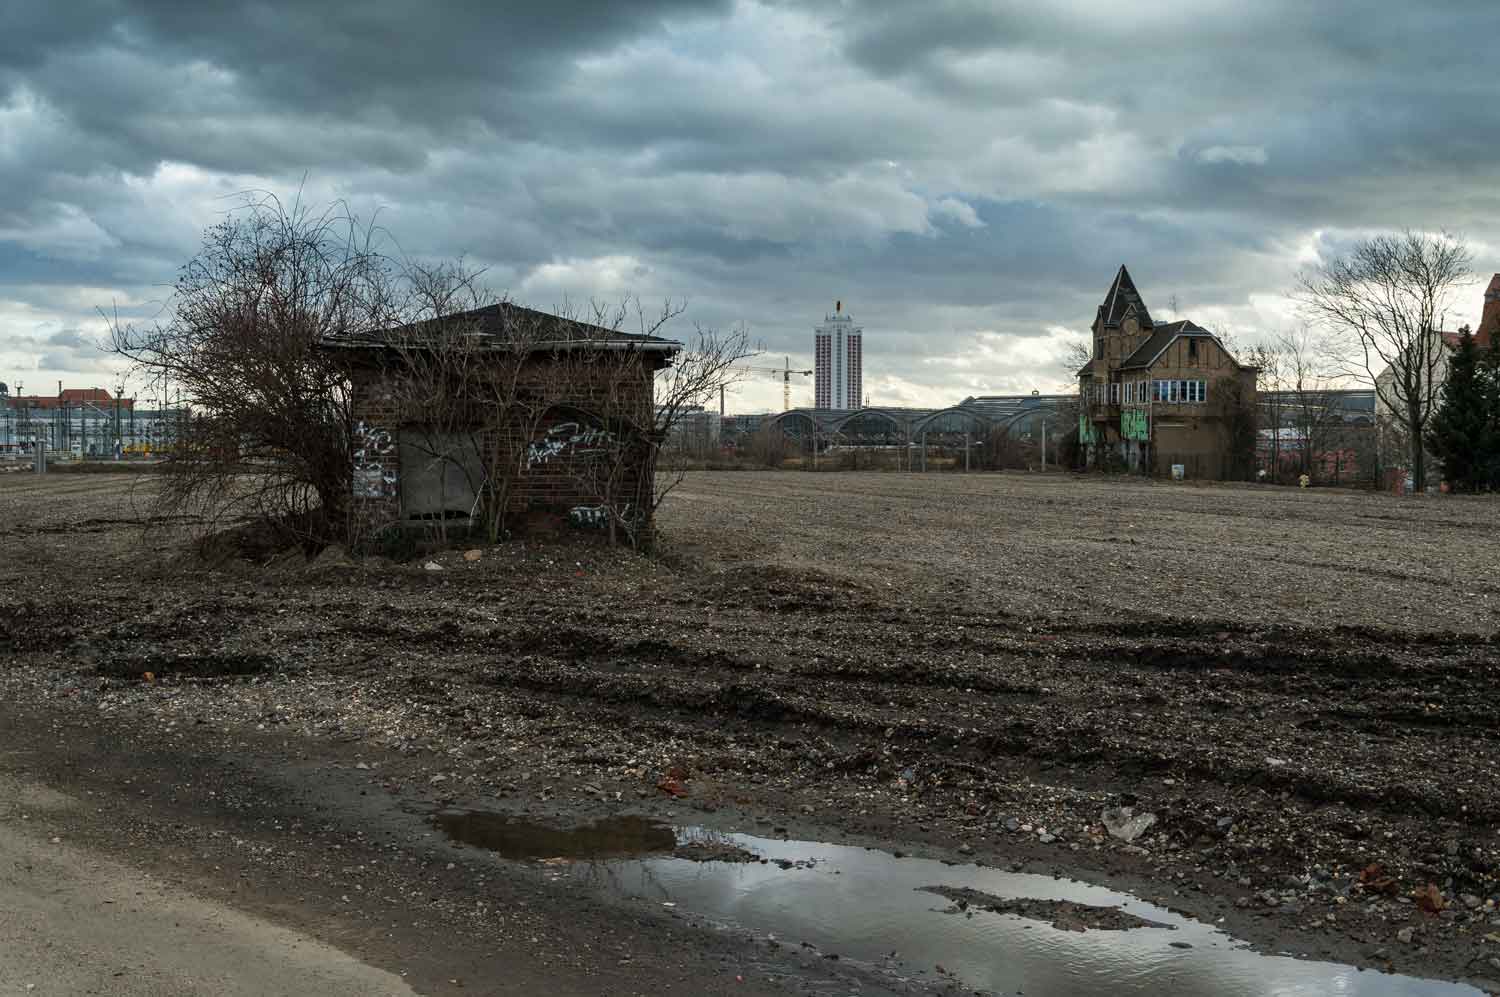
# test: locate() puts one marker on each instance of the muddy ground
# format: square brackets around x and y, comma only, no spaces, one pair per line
[1301,687]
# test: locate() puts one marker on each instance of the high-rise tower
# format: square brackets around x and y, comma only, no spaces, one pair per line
[839,361]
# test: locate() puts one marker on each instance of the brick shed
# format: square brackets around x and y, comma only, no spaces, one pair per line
[500,419]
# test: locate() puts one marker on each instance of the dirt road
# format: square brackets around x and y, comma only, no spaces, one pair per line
[137,859]
[1299,687]
[74,922]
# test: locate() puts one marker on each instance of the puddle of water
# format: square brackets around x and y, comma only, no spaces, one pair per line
[618,837]
[864,905]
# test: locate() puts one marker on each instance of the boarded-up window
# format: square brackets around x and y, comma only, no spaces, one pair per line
[440,474]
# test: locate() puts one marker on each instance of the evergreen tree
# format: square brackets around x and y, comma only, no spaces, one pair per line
[1462,434]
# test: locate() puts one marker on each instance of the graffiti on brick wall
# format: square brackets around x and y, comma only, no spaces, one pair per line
[568,439]
[592,517]
[596,517]
[374,462]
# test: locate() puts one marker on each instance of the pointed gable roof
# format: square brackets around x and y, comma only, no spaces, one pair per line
[1489,319]
[1121,301]
[1162,337]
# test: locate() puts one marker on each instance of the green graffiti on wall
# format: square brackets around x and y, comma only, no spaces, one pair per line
[1085,429]
[1134,424]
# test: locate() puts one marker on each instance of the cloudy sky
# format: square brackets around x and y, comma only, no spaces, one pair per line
[966,176]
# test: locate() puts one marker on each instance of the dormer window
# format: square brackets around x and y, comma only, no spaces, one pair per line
[1192,347]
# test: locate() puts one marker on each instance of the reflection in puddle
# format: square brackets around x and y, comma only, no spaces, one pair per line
[865,905]
[1065,914]
[618,837]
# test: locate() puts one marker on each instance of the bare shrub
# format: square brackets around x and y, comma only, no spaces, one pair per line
[269,433]
[457,378]
[623,472]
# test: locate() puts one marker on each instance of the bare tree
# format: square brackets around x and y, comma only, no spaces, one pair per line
[632,421]
[1270,387]
[710,361]
[1380,305]
[269,432]
[1241,425]
[464,391]
[435,383]
[1313,407]
[1227,338]
[1072,357]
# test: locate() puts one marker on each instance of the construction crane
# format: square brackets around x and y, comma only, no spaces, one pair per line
[786,382]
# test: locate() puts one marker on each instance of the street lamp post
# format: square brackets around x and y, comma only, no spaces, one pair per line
[1037,395]
[119,446]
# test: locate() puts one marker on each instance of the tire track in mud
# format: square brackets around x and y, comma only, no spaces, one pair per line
[969,689]
[864,705]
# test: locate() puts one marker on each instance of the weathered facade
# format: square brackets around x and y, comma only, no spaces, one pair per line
[532,431]
[1156,395]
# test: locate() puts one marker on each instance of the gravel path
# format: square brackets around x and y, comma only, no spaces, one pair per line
[74,922]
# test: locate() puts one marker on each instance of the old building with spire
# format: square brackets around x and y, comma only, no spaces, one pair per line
[1158,395]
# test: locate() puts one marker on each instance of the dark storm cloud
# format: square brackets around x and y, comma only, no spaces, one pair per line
[415,58]
[1302,92]
[969,173]
[292,85]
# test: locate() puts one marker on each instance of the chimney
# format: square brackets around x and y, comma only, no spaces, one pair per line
[1489,319]
[838,306]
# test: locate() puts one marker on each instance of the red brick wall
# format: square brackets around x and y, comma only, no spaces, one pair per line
[550,484]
